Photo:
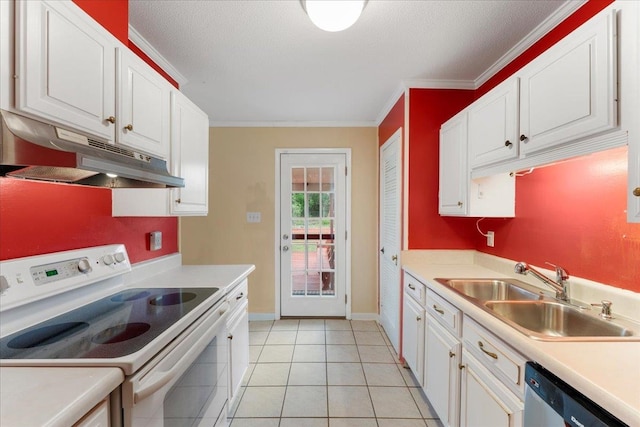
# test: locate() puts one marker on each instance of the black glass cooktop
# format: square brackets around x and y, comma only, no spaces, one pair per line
[111,327]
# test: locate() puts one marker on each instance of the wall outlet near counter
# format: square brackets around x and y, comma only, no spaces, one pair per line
[490,238]
[155,240]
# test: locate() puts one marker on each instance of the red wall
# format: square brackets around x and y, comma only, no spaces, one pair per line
[428,109]
[393,121]
[113,15]
[573,214]
[41,217]
[37,218]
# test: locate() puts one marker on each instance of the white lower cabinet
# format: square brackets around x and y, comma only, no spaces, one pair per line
[413,323]
[471,377]
[238,327]
[441,371]
[97,417]
[485,401]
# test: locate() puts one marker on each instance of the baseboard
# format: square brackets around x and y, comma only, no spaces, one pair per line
[261,316]
[354,316]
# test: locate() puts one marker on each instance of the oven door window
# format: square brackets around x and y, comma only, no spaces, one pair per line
[200,394]
[186,385]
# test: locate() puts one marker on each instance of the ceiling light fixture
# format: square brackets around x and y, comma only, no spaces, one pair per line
[333,15]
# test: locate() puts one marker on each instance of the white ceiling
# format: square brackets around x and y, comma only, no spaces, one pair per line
[262,62]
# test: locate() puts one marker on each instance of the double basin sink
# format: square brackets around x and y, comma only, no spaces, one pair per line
[528,310]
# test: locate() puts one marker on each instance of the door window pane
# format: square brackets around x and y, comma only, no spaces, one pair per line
[313,201]
[328,208]
[297,205]
[297,179]
[328,180]
[298,283]
[328,283]
[313,179]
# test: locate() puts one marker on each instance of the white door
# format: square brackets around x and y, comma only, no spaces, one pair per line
[390,233]
[313,219]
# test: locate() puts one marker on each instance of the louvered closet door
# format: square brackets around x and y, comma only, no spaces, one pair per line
[390,234]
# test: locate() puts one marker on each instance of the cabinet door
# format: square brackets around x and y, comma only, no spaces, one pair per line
[442,376]
[569,92]
[238,351]
[493,125]
[484,400]
[454,177]
[65,64]
[143,106]
[189,156]
[97,417]
[413,321]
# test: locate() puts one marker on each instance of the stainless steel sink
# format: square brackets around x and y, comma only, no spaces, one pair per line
[493,289]
[538,315]
[548,320]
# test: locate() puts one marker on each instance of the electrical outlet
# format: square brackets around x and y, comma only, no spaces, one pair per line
[490,238]
[254,217]
[155,240]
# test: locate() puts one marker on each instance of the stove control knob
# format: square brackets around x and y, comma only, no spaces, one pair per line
[107,259]
[119,256]
[84,266]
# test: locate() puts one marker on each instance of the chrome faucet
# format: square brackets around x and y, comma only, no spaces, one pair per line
[559,285]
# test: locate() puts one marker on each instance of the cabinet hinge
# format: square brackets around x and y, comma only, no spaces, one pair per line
[345,298]
[345,171]
[346,236]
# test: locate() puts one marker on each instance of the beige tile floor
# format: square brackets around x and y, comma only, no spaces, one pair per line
[327,373]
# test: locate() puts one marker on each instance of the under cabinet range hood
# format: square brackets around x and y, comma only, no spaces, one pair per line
[31,149]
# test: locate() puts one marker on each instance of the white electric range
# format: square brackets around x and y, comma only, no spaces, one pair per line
[73,308]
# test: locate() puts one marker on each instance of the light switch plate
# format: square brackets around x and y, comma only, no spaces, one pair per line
[254,217]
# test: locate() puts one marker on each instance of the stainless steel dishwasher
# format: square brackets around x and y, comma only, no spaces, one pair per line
[550,402]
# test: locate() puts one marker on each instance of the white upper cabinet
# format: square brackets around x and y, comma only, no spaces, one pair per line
[189,160]
[492,196]
[493,125]
[189,156]
[65,67]
[72,72]
[453,166]
[143,105]
[569,92]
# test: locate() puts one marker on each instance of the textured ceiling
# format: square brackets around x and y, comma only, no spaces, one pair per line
[262,62]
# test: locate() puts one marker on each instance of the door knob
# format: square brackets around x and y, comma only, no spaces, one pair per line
[636,191]
[285,248]
[285,236]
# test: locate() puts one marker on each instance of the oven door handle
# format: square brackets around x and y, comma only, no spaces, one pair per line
[166,376]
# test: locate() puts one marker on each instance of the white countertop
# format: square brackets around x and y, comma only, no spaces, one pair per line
[606,372]
[52,396]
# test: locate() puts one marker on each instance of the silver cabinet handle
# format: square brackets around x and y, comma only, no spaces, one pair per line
[488,353]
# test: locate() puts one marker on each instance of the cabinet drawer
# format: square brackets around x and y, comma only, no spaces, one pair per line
[499,358]
[238,295]
[416,289]
[447,314]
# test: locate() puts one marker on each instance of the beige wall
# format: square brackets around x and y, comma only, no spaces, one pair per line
[242,179]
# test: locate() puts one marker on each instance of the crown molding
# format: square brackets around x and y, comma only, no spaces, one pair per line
[439,84]
[288,124]
[568,8]
[391,102]
[152,53]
